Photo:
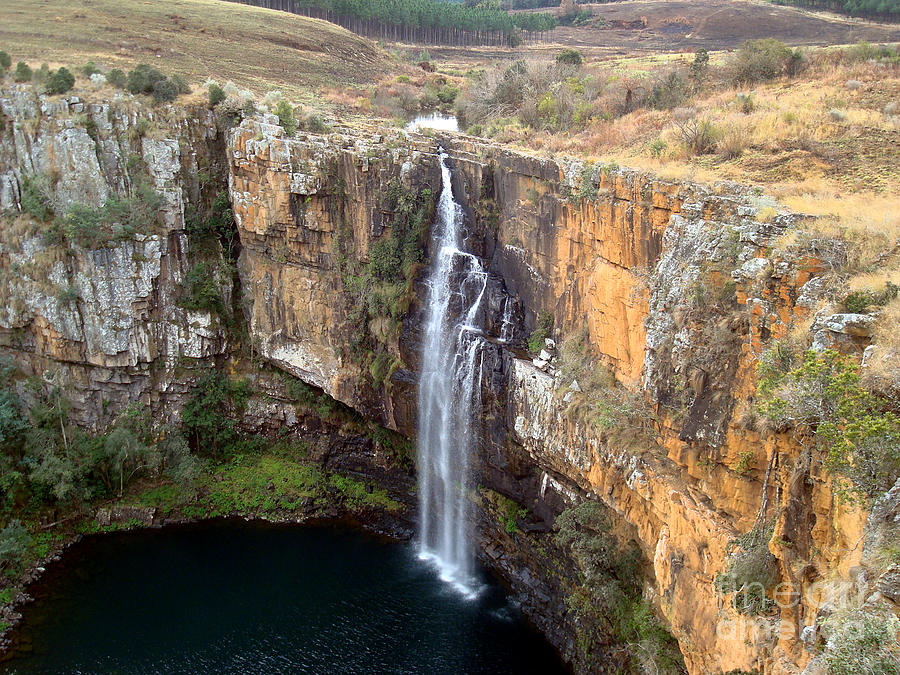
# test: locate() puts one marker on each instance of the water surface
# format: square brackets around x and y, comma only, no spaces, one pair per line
[235,597]
[434,121]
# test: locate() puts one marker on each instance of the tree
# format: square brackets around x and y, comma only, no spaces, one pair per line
[856,431]
[23,72]
[60,81]
[286,118]
[164,90]
[117,78]
[204,415]
[570,57]
[142,78]
[14,540]
[128,454]
[700,65]
[216,95]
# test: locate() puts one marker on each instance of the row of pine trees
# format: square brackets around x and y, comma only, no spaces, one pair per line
[423,21]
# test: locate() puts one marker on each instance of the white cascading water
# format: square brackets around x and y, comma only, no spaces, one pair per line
[449,392]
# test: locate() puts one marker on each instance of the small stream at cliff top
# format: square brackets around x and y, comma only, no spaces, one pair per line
[434,121]
[237,597]
[449,392]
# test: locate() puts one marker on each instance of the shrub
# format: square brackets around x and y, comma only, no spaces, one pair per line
[89,69]
[658,147]
[569,57]
[285,112]
[856,430]
[37,197]
[66,296]
[142,78]
[84,225]
[541,332]
[733,142]
[41,75]
[761,60]
[699,136]
[14,541]
[217,226]
[60,81]
[23,72]
[117,78]
[447,94]
[164,90]
[608,598]
[119,218]
[700,65]
[314,124]
[751,572]
[201,290]
[204,414]
[745,103]
[181,85]
[5,60]
[216,94]
[859,302]
[669,92]
[865,641]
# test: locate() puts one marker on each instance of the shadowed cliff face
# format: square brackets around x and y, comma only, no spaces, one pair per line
[670,287]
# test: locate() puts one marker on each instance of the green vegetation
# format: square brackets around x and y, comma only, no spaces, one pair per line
[217,225]
[14,541]
[863,641]
[569,57]
[249,485]
[23,72]
[872,9]
[861,301]
[379,291]
[267,485]
[598,400]
[37,197]
[204,416]
[60,81]
[119,219]
[607,599]
[751,572]
[216,95]
[857,432]
[507,510]
[145,79]
[5,61]
[541,332]
[117,78]
[202,289]
[761,60]
[428,21]
[285,112]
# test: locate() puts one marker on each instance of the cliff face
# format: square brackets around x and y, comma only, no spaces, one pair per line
[105,321]
[670,287]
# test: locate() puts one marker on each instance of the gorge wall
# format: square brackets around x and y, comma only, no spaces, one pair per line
[672,288]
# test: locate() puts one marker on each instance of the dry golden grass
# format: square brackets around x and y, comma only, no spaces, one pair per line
[256,48]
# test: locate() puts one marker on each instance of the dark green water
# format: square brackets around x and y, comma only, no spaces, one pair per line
[234,597]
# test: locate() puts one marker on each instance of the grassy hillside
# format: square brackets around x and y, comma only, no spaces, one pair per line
[256,48]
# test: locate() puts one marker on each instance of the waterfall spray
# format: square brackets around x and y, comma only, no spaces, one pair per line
[449,392]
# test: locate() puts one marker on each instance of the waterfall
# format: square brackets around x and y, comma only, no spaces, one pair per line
[449,392]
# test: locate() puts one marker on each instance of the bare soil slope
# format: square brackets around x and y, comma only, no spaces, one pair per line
[675,25]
